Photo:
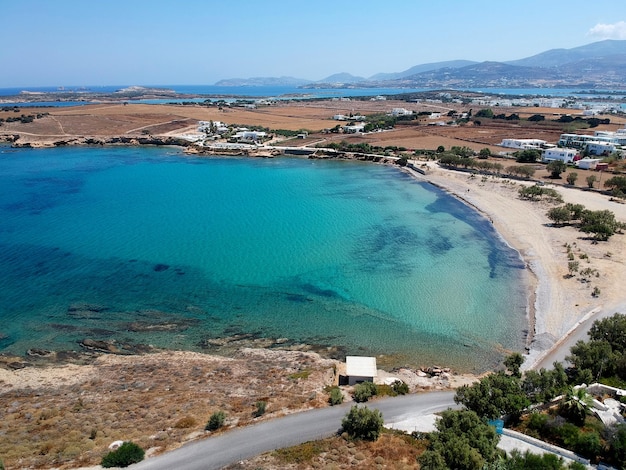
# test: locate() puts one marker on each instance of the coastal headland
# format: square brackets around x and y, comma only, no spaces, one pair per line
[165,398]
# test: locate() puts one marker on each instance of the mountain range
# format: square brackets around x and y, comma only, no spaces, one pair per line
[597,65]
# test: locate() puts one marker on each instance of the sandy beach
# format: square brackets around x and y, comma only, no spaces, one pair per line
[560,306]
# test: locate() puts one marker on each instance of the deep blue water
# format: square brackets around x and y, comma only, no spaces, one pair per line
[353,256]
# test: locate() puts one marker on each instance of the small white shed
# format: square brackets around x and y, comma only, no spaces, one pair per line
[588,163]
[360,369]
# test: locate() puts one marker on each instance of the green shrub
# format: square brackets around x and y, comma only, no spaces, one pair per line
[260,408]
[400,387]
[363,423]
[216,421]
[364,391]
[126,454]
[336,397]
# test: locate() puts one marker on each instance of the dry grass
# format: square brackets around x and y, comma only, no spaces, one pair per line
[158,401]
[393,450]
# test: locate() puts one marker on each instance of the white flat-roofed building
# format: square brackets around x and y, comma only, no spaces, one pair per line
[360,369]
[579,141]
[523,143]
[600,148]
[360,127]
[564,155]
[401,112]
[588,163]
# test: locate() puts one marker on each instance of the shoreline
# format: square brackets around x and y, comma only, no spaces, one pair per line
[560,309]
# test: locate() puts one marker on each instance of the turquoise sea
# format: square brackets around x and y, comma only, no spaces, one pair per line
[149,246]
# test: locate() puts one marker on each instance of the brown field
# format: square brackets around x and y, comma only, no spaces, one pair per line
[117,119]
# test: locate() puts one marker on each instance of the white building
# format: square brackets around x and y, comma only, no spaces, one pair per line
[360,127]
[523,143]
[249,136]
[564,155]
[360,369]
[579,141]
[588,163]
[600,148]
[401,112]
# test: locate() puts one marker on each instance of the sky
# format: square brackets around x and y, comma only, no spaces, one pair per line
[198,42]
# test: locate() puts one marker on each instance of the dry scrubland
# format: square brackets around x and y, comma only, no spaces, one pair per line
[67,416]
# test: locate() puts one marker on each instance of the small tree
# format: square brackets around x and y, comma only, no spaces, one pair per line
[336,397]
[575,405]
[572,267]
[590,180]
[559,215]
[462,441]
[364,391]
[527,156]
[400,387]
[363,423]
[513,362]
[216,421]
[571,178]
[260,408]
[484,153]
[126,454]
[556,167]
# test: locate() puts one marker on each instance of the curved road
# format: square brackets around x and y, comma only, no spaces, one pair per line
[242,443]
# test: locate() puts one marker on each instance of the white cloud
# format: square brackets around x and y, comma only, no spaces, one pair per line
[609,31]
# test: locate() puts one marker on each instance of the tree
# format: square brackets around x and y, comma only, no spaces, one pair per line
[590,180]
[571,178]
[575,405]
[559,215]
[513,362]
[537,118]
[594,356]
[216,421]
[363,423]
[462,440]
[572,267]
[556,167]
[336,397]
[527,156]
[616,183]
[601,224]
[486,113]
[364,391]
[544,385]
[612,330]
[441,149]
[484,153]
[494,396]
[126,454]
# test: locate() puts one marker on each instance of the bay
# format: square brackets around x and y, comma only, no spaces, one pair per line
[147,246]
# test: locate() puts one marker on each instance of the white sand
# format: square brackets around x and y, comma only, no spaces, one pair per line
[559,304]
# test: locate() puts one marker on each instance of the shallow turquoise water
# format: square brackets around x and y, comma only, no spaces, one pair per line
[346,254]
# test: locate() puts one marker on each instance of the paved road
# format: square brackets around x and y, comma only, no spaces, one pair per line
[579,332]
[232,446]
